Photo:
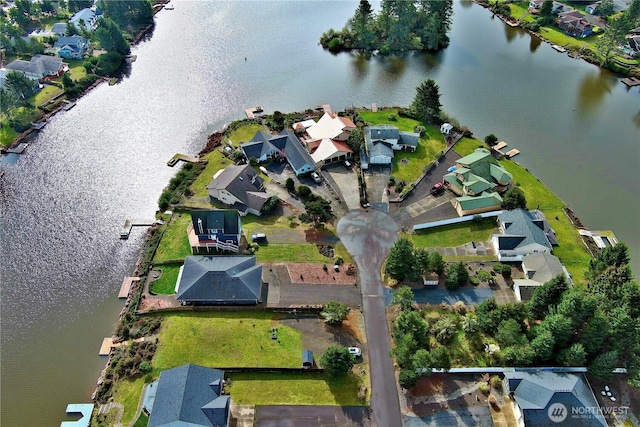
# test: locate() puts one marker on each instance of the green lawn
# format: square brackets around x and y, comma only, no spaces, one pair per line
[142,421]
[7,134]
[244,133]
[128,392]
[520,11]
[557,36]
[217,161]
[174,243]
[466,146]
[290,253]
[294,389]
[428,149]
[455,234]
[226,339]
[166,284]
[46,94]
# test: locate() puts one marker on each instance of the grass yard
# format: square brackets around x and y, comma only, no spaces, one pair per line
[166,284]
[455,234]
[174,243]
[290,253]
[142,421]
[557,36]
[520,11]
[46,94]
[226,339]
[217,161]
[571,251]
[466,146]
[295,389]
[269,224]
[128,392]
[244,133]
[7,134]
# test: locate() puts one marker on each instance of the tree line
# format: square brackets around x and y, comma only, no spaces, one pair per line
[399,26]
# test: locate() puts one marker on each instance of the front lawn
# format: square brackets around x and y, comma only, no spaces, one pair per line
[217,161]
[466,146]
[295,389]
[290,253]
[226,339]
[244,133]
[455,234]
[7,134]
[128,392]
[46,94]
[557,36]
[175,242]
[166,284]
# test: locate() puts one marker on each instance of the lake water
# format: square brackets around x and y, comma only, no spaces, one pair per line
[62,203]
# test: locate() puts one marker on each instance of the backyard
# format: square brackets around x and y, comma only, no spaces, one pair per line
[175,242]
[455,234]
[166,283]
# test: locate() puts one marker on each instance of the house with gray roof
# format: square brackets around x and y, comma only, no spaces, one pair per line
[286,145]
[381,141]
[87,18]
[219,280]
[219,229]
[544,398]
[539,268]
[240,187]
[59,29]
[522,232]
[38,67]
[74,47]
[188,396]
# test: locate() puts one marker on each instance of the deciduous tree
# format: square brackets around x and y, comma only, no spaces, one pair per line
[337,361]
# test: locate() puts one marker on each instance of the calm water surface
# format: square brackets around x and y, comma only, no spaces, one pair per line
[63,202]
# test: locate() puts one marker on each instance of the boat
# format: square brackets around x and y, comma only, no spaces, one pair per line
[169,6]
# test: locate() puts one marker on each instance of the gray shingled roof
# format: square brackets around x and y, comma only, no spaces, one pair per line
[244,183]
[59,28]
[409,138]
[190,395]
[72,41]
[38,64]
[296,154]
[220,280]
[382,132]
[536,391]
[542,266]
[220,219]
[522,228]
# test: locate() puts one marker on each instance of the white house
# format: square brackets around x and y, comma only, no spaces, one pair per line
[331,127]
[87,18]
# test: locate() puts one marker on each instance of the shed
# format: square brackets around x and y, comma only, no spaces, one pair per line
[307,359]
[446,128]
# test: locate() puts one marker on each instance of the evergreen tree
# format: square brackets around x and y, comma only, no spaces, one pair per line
[426,104]
[514,198]
[547,295]
[337,361]
[403,297]
[110,37]
[400,264]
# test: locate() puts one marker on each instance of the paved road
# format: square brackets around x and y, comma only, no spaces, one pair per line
[368,236]
[312,416]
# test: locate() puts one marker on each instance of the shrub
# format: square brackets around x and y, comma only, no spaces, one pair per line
[490,140]
[303,191]
[393,117]
[484,388]
[408,378]
[474,281]
[495,381]
[420,130]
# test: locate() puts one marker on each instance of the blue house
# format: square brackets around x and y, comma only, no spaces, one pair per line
[215,229]
[74,47]
[189,395]
[219,280]
[286,145]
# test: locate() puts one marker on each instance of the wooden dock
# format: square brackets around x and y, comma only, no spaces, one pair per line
[374,107]
[499,146]
[108,345]
[631,81]
[559,48]
[326,108]
[182,157]
[39,125]
[126,286]
[128,225]
[251,112]
[69,106]
[512,153]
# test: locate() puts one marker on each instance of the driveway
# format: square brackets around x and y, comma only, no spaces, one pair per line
[313,416]
[474,416]
[347,182]
[437,296]
[368,236]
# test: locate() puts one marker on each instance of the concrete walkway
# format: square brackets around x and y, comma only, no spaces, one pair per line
[368,236]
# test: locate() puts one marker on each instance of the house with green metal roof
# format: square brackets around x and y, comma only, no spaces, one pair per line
[478,175]
[545,398]
[188,396]
[219,280]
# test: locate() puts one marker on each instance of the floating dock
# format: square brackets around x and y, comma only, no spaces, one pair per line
[631,81]
[251,111]
[559,48]
[108,345]
[39,125]
[84,409]
[185,158]
[128,225]
[126,286]
[512,153]
[69,106]
[499,146]
[18,149]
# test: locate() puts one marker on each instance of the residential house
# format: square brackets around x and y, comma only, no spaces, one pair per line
[215,229]
[331,126]
[633,43]
[381,141]
[522,232]
[240,187]
[539,268]
[573,23]
[285,145]
[189,395]
[477,180]
[74,47]
[329,151]
[592,9]
[87,18]
[38,67]
[544,398]
[556,8]
[59,29]
[219,280]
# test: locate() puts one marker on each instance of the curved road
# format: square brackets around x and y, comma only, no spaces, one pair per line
[368,236]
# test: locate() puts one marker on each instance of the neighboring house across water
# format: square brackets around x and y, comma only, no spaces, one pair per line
[240,187]
[522,232]
[87,18]
[573,23]
[215,229]
[544,398]
[190,396]
[284,145]
[38,67]
[539,268]
[74,47]
[381,141]
[219,280]
[331,126]
[59,29]
[478,180]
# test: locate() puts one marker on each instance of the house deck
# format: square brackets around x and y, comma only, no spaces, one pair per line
[126,286]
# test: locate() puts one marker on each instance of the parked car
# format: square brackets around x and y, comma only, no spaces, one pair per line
[347,164]
[437,189]
[355,351]
[316,177]
[259,237]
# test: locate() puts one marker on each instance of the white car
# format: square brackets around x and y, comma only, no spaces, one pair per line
[316,177]
[355,351]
